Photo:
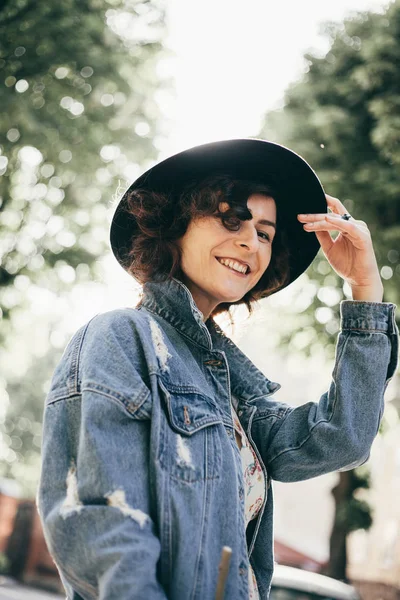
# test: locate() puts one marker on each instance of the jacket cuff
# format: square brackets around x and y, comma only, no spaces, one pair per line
[375,316]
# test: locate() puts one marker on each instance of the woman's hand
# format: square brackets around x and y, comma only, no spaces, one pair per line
[351,254]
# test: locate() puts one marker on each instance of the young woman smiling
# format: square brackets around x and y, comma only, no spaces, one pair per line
[160,436]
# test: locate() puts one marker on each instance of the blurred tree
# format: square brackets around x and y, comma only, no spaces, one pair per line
[350,514]
[82,87]
[22,423]
[343,117]
[80,91]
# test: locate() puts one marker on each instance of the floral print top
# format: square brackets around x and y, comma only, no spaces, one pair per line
[254,488]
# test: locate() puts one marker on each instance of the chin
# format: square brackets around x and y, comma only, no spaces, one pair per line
[232,298]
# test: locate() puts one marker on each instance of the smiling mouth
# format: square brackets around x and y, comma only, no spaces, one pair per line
[234,270]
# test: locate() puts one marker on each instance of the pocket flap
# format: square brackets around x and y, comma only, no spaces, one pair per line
[188,409]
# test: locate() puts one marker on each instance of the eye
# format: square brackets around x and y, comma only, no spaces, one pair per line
[265,235]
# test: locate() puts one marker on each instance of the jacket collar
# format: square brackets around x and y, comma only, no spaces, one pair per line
[173,301]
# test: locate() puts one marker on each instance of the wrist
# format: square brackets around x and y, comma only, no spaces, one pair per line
[368,293]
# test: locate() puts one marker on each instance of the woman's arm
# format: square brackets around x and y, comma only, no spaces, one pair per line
[101,534]
[337,432]
[94,493]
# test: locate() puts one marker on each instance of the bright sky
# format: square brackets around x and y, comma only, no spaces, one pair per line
[236,57]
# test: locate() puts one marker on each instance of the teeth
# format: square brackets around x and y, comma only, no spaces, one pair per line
[233,265]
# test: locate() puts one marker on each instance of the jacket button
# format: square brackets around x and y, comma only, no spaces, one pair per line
[240,412]
[241,494]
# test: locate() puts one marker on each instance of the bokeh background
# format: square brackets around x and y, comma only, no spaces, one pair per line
[92,93]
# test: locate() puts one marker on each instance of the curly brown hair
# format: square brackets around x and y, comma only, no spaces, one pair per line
[162,219]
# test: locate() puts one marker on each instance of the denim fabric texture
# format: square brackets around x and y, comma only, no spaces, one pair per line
[142,484]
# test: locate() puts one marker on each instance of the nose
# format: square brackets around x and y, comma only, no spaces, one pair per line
[248,237]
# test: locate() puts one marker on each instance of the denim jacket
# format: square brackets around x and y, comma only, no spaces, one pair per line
[142,484]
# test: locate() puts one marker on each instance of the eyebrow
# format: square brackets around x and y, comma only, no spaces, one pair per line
[265,222]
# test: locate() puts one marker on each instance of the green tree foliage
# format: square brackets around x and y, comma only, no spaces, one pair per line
[80,113]
[20,440]
[81,92]
[351,514]
[343,118]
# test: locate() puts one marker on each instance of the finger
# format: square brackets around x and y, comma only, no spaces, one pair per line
[335,205]
[310,218]
[351,227]
[333,223]
[333,217]
[325,240]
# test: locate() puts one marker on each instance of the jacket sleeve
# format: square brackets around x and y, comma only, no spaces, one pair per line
[94,494]
[337,432]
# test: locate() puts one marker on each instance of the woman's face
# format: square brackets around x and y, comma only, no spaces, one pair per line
[207,244]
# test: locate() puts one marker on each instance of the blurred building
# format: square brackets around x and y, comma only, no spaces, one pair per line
[8,510]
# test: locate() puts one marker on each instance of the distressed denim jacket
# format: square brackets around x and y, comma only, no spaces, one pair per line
[142,484]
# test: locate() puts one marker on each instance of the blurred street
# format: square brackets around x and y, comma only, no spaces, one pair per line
[11,590]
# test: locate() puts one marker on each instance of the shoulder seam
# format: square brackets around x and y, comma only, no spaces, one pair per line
[72,381]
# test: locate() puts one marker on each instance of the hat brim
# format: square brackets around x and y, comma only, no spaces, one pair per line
[298,190]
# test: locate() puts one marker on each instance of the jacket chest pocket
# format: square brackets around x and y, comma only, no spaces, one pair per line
[190,437]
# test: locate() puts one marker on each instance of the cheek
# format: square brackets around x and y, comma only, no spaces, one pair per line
[264,262]
[194,254]
[266,258]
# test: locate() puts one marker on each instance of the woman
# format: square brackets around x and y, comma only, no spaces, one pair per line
[160,436]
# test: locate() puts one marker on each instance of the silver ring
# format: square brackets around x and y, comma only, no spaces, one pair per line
[346,216]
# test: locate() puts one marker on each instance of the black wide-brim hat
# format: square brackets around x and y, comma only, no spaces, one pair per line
[298,190]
